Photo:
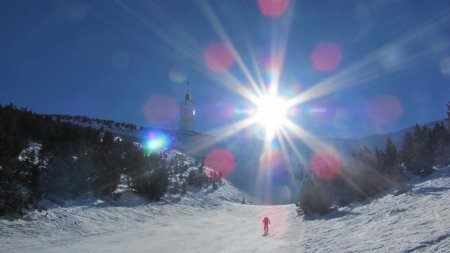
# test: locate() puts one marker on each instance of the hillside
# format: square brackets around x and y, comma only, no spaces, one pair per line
[248,156]
[217,222]
[212,218]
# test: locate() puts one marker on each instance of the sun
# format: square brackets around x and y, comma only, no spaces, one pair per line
[271,113]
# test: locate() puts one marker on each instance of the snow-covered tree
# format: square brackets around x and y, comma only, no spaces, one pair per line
[150,177]
[314,198]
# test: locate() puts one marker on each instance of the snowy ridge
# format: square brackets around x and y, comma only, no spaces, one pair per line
[69,220]
[215,221]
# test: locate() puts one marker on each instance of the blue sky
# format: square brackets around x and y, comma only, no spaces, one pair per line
[381,65]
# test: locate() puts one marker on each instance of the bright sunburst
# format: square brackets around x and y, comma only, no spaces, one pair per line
[260,81]
[271,113]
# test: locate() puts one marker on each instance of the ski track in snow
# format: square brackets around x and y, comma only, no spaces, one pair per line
[418,221]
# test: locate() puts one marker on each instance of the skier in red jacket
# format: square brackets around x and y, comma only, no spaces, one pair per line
[266,223]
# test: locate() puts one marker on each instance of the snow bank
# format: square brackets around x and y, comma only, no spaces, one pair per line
[215,221]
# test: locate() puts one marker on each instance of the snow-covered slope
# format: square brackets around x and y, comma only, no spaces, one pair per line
[216,221]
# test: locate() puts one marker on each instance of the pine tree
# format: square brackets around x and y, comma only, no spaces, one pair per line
[418,154]
[11,201]
[29,173]
[408,152]
[150,177]
[440,137]
[390,151]
[105,166]
[392,162]
[314,198]
[448,113]
[66,175]
[426,150]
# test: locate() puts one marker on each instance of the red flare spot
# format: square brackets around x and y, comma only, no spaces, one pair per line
[218,56]
[279,222]
[384,110]
[161,110]
[326,56]
[273,8]
[272,65]
[220,160]
[326,164]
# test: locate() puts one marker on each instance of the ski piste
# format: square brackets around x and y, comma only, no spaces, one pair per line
[416,220]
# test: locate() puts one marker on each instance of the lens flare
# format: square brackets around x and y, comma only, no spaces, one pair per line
[218,57]
[156,142]
[273,8]
[286,194]
[326,164]
[273,68]
[222,108]
[221,160]
[161,110]
[177,76]
[317,109]
[326,56]
[384,110]
[278,220]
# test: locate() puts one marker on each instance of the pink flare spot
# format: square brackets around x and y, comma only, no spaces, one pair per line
[218,56]
[278,217]
[221,161]
[161,110]
[227,112]
[272,65]
[286,193]
[224,109]
[326,164]
[326,56]
[384,110]
[273,8]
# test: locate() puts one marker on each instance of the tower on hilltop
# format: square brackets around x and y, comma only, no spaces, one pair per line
[187,111]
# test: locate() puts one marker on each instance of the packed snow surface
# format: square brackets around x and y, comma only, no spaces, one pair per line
[216,221]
